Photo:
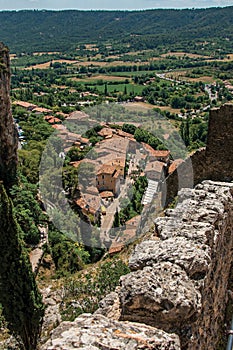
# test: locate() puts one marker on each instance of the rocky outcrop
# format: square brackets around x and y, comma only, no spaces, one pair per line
[93,332]
[182,273]
[173,249]
[52,317]
[178,284]
[8,132]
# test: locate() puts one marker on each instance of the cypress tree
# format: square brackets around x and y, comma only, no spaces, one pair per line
[22,303]
[116,222]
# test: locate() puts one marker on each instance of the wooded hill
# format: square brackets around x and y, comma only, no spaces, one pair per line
[34,30]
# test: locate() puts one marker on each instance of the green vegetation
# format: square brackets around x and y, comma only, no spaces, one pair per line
[133,206]
[27,210]
[194,133]
[88,289]
[177,95]
[49,30]
[68,256]
[22,303]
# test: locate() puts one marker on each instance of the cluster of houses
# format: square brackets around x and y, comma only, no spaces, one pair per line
[31,107]
[48,113]
[110,165]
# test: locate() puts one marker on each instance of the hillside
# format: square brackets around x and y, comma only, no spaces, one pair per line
[27,31]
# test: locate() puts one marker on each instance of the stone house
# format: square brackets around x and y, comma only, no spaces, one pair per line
[108,179]
[155,170]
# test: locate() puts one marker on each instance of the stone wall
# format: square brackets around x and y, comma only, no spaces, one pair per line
[8,132]
[219,165]
[177,287]
[213,162]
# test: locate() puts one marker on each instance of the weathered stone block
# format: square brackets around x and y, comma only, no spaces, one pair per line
[93,332]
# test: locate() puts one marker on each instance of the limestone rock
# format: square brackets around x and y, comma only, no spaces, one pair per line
[161,295]
[194,258]
[52,315]
[110,306]
[181,283]
[93,332]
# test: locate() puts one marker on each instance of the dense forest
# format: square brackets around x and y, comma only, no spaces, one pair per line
[65,30]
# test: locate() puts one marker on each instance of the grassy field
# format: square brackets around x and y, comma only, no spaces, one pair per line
[134,73]
[46,65]
[97,78]
[137,89]
[142,106]
[182,75]
[138,106]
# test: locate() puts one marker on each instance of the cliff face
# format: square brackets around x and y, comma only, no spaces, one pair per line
[8,132]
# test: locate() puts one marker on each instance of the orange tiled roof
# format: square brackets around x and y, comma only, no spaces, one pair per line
[41,110]
[106,169]
[117,162]
[24,104]
[117,174]
[105,132]
[106,194]
[134,221]
[124,134]
[89,203]
[174,165]
[156,153]
[53,120]
[155,166]
[58,126]
[75,164]
[84,140]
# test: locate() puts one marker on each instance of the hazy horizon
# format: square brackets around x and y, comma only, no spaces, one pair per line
[109,4]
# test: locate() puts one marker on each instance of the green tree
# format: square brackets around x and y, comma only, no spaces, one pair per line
[105,89]
[184,129]
[27,210]
[116,222]
[129,128]
[22,303]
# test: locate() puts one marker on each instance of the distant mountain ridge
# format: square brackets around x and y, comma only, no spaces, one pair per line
[31,30]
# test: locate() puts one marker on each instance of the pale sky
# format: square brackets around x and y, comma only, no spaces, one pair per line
[110,4]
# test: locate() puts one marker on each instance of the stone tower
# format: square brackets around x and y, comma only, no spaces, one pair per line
[219,164]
